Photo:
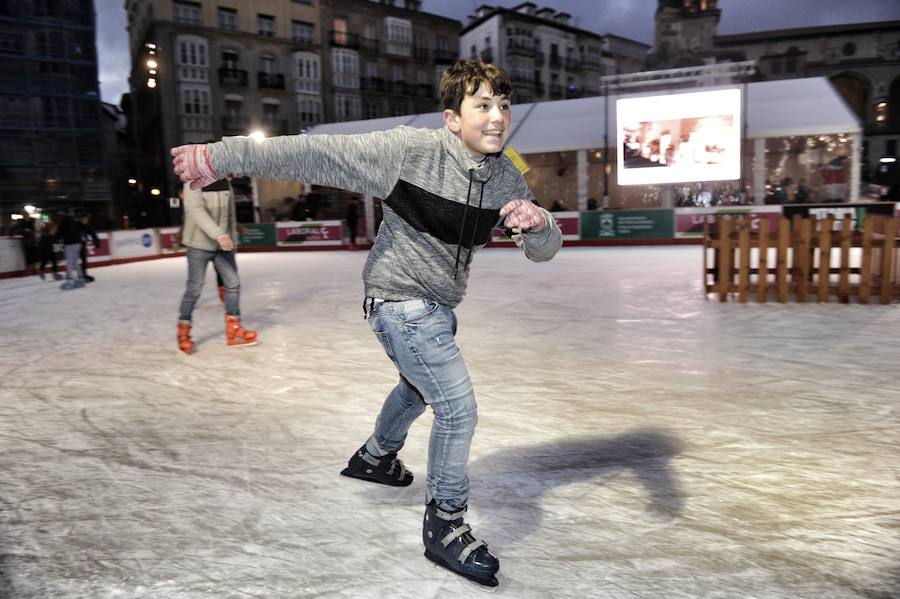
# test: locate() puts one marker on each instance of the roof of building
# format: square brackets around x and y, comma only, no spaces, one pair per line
[512,12]
[775,34]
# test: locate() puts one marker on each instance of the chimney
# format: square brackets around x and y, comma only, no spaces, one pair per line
[562,18]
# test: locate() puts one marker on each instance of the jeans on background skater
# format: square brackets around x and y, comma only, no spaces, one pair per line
[418,336]
[72,253]
[226,266]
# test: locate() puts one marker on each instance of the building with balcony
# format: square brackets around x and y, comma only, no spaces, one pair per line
[203,69]
[384,58]
[547,57]
[51,151]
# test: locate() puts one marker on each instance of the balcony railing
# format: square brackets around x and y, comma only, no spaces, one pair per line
[555,61]
[373,84]
[275,126]
[271,80]
[572,64]
[233,77]
[368,44]
[589,62]
[343,39]
[445,56]
[401,88]
[520,77]
[425,90]
[420,53]
[538,59]
[520,47]
[487,55]
[235,125]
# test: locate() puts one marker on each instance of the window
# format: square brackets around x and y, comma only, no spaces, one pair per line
[473,51]
[186,12]
[340,31]
[775,66]
[372,70]
[228,19]
[307,77]
[191,59]
[346,107]
[267,64]
[195,101]
[55,112]
[398,33]
[266,25]
[345,67]
[310,110]
[270,112]
[849,49]
[303,32]
[372,111]
[397,72]
[230,59]
[441,43]
[233,110]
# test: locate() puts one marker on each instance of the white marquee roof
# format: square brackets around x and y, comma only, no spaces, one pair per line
[781,108]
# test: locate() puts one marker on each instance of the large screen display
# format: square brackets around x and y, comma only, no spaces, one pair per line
[678,138]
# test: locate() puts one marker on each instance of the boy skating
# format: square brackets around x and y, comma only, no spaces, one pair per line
[444,191]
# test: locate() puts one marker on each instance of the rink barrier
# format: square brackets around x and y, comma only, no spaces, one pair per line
[593,228]
[803,258]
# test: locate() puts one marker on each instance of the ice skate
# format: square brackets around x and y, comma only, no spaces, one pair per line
[449,543]
[236,334]
[386,470]
[185,343]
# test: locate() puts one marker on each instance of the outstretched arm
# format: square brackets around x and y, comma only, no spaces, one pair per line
[367,163]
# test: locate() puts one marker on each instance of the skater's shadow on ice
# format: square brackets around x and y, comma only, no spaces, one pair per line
[512,481]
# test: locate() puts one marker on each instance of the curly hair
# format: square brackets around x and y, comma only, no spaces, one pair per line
[463,78]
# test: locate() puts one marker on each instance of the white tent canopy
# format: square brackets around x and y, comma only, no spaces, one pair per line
[774,109]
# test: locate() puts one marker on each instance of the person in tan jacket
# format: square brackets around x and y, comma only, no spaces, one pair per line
[209,233]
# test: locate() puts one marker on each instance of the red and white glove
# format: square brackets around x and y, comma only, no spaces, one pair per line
[523,215]
[191,164]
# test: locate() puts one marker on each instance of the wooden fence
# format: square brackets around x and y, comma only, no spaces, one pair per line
[805,258]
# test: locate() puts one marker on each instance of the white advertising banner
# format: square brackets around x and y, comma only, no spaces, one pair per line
[11,257]
[134,244]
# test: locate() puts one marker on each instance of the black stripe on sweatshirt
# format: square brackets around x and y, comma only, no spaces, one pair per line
[440,217]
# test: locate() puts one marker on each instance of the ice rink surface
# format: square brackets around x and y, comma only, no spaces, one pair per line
[635,440]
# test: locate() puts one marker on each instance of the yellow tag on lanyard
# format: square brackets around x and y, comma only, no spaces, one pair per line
[517,159]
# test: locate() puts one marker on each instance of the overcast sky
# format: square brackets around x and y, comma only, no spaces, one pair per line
[628,18]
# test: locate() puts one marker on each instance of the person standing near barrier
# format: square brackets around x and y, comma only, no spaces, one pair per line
[69,234]
[87,234]
[47,251]
[209,234]
[445,190]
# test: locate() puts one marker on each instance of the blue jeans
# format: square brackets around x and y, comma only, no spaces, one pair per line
[226,267]
[418,336]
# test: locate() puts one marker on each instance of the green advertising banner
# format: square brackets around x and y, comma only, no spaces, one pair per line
[258,235]
[628,224]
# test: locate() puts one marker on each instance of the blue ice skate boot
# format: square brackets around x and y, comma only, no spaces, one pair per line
[449,543]
[386,470]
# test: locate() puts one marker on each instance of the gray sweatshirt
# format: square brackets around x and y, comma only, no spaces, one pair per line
[439,204]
